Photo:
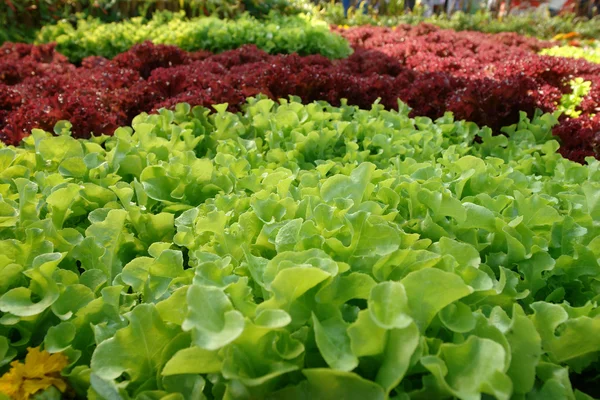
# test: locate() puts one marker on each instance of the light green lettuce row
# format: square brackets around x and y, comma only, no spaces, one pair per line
[589,53]
[303,252]
[278,34]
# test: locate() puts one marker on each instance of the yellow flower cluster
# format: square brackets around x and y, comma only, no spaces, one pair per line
[40,371]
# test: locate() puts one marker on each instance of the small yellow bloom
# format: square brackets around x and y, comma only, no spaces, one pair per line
[40,371]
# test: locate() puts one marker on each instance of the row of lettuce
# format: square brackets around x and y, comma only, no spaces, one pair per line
[293,34]
[277,34]
[590,53]
[344,253]
[19,19]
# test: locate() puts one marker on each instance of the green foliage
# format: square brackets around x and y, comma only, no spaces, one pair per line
[569,102]
[306,252]
[534,24]
[589,53]
[20,19]
[275,35]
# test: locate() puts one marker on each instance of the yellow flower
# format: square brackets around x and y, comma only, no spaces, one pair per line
[40,371]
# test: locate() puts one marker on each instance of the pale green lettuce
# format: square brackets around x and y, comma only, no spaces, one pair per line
[303,252]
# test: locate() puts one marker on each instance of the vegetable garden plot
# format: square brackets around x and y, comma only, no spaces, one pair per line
[344,253]
[482,78]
